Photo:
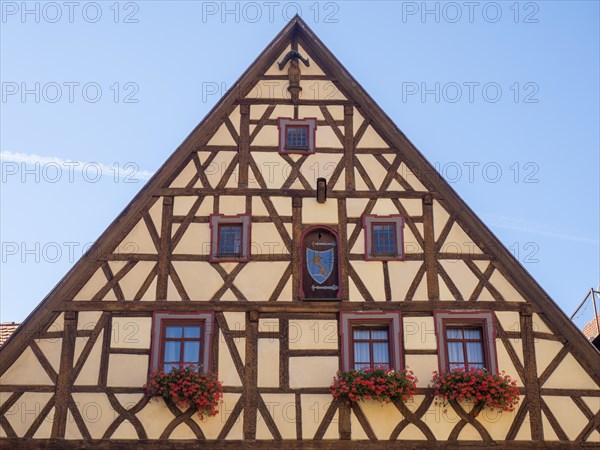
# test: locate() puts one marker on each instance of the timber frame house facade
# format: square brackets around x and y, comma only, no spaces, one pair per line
[283,220]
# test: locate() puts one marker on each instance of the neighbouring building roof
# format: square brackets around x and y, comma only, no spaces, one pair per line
[6,329]
[591,329]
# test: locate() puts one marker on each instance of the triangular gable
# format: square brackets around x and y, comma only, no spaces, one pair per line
[178,171]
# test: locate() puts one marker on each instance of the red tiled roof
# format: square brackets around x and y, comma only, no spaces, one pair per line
[6,329]
[591,330]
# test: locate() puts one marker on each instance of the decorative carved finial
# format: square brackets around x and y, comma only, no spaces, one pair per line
[293,54]
[294,72]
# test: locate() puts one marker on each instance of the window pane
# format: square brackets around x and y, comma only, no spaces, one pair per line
[191,332]
[455,352]
[173,331]
[361,366]
[454,333]
[172,351]
[477,366]
[169,366]
[296,136]
[361,333]
[384,239]
[361,352]
[472,333]
[381,353]
[379,334]
[230,239]
[474,352]
[191,352]
[457,366]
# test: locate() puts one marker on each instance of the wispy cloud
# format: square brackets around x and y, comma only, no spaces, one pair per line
[121,171]
[540,229]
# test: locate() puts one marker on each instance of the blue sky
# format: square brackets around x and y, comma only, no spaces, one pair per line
[503,98]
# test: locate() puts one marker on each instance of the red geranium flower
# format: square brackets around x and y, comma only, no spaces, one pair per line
[185,386]
[494,391]
[378,383]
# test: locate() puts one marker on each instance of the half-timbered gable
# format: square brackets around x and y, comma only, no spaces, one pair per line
[295,221]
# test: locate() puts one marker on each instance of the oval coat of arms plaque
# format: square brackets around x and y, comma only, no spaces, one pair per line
[319,265]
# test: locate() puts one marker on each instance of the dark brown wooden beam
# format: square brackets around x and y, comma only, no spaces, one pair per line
[284,354]
[244,145]
[296,233]
[283,257]
[311,193]
[420,352]
[433,289]
[304,77]
[273,149]
[532,387]
[63,384]
[343,247]
[285,101]
[162,279]
[250,379]
[167,444]
[304,307]
[273,122]
[349,147]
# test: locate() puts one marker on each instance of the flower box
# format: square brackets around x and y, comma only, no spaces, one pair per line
[185,387]
[476,386]
[374,384]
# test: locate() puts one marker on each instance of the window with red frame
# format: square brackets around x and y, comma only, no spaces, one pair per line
[371,339]
[230,240]
[181,339]
[465,347]
[181,343]
[383,237]
[466,340]
[296,137]
[371,347]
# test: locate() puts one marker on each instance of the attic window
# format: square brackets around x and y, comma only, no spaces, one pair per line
[230,238]
[384,238]
[296,135]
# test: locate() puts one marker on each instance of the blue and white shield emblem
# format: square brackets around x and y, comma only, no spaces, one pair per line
[319,264]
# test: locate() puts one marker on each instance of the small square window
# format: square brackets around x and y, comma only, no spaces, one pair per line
[230,238]
[180,340]
[384,237]
[297,135]
[466,340]
[370,340]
